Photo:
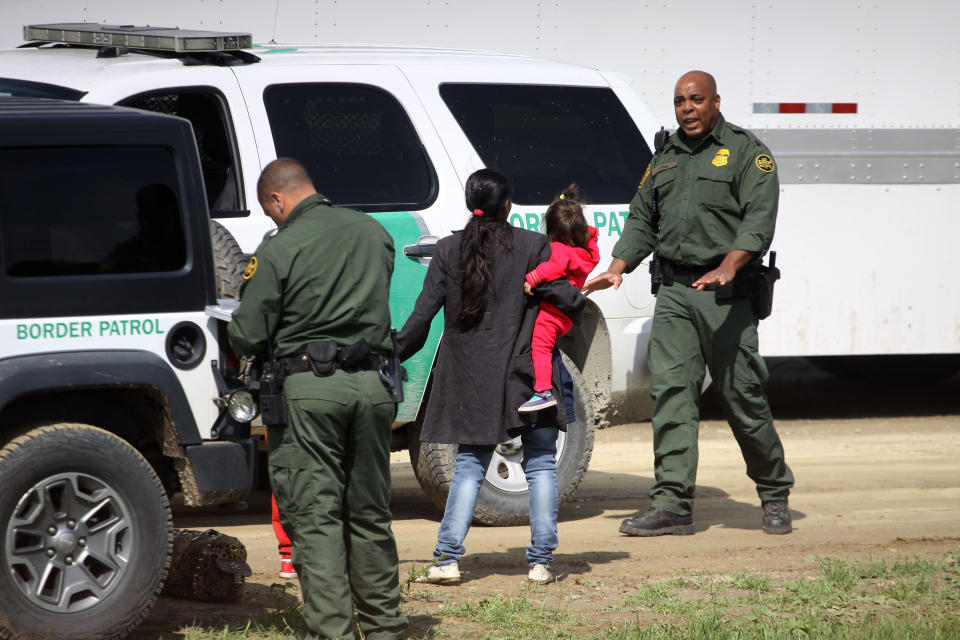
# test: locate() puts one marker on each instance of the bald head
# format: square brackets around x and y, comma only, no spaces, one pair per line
[283,184]
[696,103]
[702,78]
[283,174]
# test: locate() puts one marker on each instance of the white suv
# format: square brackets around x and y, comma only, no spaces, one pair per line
[395,132]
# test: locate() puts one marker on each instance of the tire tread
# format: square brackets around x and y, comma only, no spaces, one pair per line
[228,261]
[39,436]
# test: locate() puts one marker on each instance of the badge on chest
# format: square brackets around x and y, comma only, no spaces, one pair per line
[721,158]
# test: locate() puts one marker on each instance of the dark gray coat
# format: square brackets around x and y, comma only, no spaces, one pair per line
[483,374]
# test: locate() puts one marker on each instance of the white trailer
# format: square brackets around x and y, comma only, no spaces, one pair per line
[870,171]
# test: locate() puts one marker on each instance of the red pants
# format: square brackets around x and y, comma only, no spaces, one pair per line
[283,541]
[551,324]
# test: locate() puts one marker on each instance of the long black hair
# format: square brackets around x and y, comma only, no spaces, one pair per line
[487,195]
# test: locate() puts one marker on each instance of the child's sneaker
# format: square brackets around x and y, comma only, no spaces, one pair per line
[286,568]
[540,400]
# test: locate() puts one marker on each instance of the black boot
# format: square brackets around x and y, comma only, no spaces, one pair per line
[776,517]
[657,522]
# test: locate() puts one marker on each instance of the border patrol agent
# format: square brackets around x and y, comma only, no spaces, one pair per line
[318,288]
[707,206]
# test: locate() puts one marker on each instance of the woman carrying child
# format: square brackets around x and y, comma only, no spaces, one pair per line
[483,368]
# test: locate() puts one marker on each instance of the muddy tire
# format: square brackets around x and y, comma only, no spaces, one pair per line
[228,261]
[504,498]
[85,534]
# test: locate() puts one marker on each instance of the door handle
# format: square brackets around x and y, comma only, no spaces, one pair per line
[422,250]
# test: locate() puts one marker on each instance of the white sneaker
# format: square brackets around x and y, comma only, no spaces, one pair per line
[540,574]
[443,574]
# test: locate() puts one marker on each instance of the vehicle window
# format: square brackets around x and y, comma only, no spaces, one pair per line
[207,111]
[356,141]
[11,87]
[71,211]
[545,137]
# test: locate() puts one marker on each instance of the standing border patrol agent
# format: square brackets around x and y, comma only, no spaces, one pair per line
[707,207]
[315,299]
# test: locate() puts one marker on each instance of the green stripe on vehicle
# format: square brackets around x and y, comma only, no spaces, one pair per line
[406,285]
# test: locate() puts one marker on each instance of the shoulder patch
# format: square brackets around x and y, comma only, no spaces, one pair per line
[646,174]
[251,268]
[765,163]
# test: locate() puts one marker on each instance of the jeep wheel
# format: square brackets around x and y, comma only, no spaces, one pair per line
[228,261]
[84,533]
[504,497]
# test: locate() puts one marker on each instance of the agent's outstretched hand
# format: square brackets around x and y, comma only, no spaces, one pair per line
[603,281]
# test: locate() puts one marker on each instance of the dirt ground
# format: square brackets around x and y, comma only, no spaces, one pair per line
[877,476]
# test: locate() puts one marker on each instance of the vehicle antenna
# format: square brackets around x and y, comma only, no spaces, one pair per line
[276,11]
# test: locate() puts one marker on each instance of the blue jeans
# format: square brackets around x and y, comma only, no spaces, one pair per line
[540,467]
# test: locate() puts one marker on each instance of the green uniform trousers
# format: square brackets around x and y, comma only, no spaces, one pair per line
[692,329]
[330,472]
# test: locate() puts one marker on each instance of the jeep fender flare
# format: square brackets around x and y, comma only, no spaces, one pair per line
[71,370]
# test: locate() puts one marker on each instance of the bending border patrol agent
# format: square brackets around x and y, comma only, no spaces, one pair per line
[318,289]
[707,204]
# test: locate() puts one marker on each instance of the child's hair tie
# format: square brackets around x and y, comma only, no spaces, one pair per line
[478,212]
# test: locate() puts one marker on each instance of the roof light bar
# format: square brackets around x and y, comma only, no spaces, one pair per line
[147,37]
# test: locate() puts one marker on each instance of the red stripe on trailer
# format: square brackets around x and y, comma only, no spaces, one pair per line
[805,107]
[844,107]
[793,107]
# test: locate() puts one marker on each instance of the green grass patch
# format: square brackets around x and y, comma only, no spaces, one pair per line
[836,599]
[710,626]
[910,598]
[514,618]
[277,624]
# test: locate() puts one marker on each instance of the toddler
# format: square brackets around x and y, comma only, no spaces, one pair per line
[573,255]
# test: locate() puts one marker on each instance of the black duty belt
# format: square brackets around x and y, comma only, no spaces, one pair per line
[684,274]
[301,363]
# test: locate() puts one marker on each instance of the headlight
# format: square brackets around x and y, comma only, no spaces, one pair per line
[241,406]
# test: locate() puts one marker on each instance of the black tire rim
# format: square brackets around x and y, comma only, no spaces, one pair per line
[69,542]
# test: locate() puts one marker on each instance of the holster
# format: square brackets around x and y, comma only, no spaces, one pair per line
[656,273]
[392,374]
[763,291]
[273,400]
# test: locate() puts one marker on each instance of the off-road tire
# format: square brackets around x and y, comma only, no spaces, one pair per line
[106,503]
[433,465]
[228,261]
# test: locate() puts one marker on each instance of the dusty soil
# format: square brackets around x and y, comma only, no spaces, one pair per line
[877,476]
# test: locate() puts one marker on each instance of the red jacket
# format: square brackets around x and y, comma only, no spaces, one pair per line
[574,263]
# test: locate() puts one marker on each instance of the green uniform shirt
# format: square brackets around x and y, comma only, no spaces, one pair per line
[324,274]
[715,195]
